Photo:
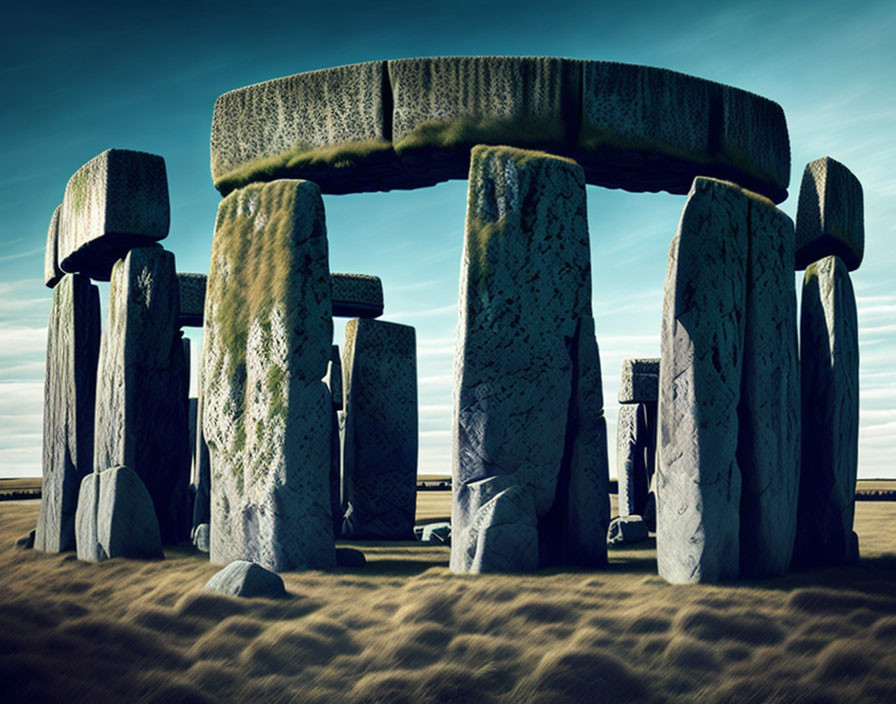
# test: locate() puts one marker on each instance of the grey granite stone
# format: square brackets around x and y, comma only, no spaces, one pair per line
[141,407]
[52,272]
[356,295]
[632,458]
[201,537]
[379,444]
[115,202]
[639,381]
[530,470]
[625,530]
[192,299]
[266,413]
[830,218]
[73,343]
[246,579]
[829,355]
[200,475]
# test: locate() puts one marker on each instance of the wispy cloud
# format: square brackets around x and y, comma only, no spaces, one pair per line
[22,255]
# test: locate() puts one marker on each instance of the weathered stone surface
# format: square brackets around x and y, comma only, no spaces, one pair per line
[829,356]
[436,533]
[530,470]
[639,382]
[356,295]
[333,379]
[246,579]
[337,508]
[265,411]
[116,518]
[52,272]
[632,458]
[625,530]
[379,444]
[115,202]
[698,479]
[201,537]
[192,299]
[200,475]
[73,343]
[330,126]
[830,218]
[141,390]
[768,450]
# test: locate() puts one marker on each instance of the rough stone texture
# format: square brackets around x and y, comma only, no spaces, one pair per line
[141,390]
[379,444]
[829,355]
[52,272]
[330,126]
[356,295]
[632,458]
[625,530]
[192,299]
[200,476]
[768,452]
[530,471]
[640,380]
[115,202]
[633,127]
[333,379]
[265,411]
[73,343]
[698,480]
[116,518]
[201,537]
[246,579]
[830,218]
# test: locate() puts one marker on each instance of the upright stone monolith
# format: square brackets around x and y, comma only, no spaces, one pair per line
[140,400]
[265,411]
[632,472]
[379,445]
[530,467]
[333,380]
[73,343]
[829,355]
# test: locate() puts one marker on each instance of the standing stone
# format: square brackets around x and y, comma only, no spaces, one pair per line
[265,411]
[698,479]
[52,272]
[769,425]
[379,474]
[530,460]
[333,380]
[73,343]
[632,458]
[829,354]
[140,400]
[191,288]
[200,477]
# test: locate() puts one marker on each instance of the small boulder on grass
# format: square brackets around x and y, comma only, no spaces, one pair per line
[26,542]
[247,579]
[625,530]
[349,557]
[201,536]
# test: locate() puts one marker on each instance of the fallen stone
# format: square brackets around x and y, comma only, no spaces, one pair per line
[830,218]
[530,476]
[356,295]
[26,542]
[115,518]
[436,533]
[379,445]
[639,382]
[698,478]
[768,451]
[73,343]
[52,272]
[266,413]
[192,299]
[632,448]
[247,579]
[201,537]
[114,203]
[349,557]
[829,355]
[140,398]
[625,530]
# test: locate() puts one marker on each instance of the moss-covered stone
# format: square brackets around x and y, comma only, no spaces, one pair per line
[356,295]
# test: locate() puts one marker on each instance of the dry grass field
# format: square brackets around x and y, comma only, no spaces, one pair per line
[403,629]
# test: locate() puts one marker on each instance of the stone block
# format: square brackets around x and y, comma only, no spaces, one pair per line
[830,218]
[625,530]
[639,382]
[333,379]
[829,358]
[632,449]
[52,272]
[379,443]
[192,299]
[530,471]
[73,343]
[356,295]
[114,203]
[246,579]
[201,537]
[436,533]
[266,414]
[141,407]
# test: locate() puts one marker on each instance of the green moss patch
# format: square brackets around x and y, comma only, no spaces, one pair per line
[467,131]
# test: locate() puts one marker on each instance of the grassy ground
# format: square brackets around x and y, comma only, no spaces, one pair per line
[404,629]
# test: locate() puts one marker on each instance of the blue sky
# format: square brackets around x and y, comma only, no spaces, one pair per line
[78,78]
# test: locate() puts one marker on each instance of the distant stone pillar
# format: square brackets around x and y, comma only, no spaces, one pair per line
[333,380]
[379,474]
[73,343]
[530,468]
[265,411]
[200,478]
[140,403]
[636,434]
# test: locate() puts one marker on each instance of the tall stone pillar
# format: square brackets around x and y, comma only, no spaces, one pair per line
[636,434]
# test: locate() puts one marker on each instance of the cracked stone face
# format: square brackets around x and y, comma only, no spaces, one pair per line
[639,381]
[530,465]
[829,355]
[266,414]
